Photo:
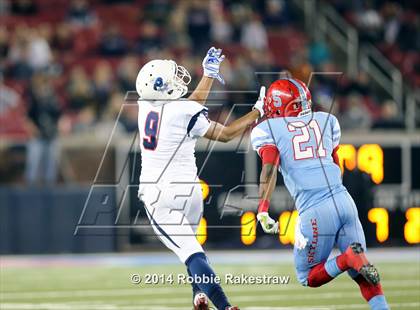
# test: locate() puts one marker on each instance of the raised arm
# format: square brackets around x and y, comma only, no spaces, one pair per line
[202,90]
[211,67]
[219,132]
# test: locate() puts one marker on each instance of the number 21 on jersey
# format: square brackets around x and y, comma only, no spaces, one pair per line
[151,130]
[305,135]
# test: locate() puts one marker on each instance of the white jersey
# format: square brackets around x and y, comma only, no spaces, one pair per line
[168,134]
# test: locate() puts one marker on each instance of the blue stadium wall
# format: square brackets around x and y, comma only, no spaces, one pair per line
[43,220]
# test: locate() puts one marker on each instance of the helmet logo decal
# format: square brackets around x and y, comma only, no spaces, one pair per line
[159,84]
[276,98]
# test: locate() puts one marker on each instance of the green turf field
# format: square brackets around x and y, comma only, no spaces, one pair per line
[109,288]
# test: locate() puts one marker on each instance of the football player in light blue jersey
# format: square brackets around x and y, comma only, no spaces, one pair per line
[302,145]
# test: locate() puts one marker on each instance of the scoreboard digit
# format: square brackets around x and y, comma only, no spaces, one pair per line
[287,223]
[368,158]
[248,228]
[380,217]
[412,226]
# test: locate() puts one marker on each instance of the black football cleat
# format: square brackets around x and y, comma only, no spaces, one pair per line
[357,260]
[370,273]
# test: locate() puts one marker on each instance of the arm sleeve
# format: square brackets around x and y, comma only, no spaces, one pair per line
[198,123]
[335,157]
[336,132]
[269,155]
[261,137]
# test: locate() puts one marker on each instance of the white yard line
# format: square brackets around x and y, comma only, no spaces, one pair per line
[166,258]
[277,297]
[142,291]
[103,306]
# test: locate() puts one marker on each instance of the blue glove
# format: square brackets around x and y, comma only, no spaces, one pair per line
[211,64]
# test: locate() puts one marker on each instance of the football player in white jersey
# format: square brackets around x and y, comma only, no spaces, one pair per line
[169,187]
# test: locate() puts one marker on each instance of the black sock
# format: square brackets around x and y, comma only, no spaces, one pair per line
[198,266]
[195,288]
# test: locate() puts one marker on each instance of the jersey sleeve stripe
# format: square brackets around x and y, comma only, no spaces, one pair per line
[194,119]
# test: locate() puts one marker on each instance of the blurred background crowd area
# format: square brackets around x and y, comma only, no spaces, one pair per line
[392,26]
[66,65]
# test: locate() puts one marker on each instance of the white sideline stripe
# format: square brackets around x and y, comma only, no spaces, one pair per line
[278,257]
[280,298]
[87,278]
[119,307]
[141,291]
[102,306]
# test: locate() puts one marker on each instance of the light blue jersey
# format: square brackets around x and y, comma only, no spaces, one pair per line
[328,214]
[305,144]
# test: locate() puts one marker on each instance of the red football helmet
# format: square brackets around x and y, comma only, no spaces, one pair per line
[287,97]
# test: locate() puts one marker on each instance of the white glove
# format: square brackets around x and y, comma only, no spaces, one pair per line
[300,240]
[211,64]
[269,225]
[259,105]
